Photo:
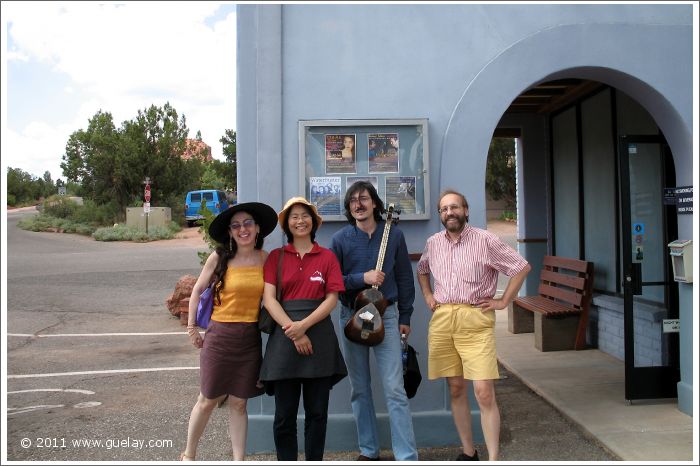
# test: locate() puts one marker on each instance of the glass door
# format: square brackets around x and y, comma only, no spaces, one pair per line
[650,294]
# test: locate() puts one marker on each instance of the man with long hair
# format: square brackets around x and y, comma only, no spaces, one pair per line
[357,248]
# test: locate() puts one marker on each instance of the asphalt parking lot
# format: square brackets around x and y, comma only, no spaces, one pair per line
[117,378]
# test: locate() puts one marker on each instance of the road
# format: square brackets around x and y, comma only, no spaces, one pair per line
[75,361]
[98,369]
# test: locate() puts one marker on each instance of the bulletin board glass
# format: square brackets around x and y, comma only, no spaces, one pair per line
[391,154]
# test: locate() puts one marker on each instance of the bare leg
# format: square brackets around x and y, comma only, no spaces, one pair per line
[198,421]
[485,393]
[238,426]
[461,413]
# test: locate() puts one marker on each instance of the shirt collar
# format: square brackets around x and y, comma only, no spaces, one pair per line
[462,236]
[289,247]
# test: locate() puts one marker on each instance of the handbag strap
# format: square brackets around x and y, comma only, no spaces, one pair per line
[279,276]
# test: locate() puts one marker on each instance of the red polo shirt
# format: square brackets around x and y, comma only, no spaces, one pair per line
[310,277]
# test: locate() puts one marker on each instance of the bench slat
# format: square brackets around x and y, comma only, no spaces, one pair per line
[546,306]
[560,293]
[566,263]
[578,283]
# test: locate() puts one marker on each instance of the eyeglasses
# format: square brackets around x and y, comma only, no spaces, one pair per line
[358,200]
[447,208]
[296,218]
[249,222]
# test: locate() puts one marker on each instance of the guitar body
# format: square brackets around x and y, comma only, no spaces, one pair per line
[365,332]
[366,326]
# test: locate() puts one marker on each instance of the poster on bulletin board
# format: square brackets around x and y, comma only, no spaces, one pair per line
[390,154]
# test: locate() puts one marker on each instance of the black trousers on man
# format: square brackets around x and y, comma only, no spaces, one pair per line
[287,393]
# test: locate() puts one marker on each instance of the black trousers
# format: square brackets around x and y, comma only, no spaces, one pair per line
[287,393]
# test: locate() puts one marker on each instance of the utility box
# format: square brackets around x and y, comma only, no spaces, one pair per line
[681,251]
[158,217]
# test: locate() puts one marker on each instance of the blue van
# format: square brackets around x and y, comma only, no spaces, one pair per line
[216,203]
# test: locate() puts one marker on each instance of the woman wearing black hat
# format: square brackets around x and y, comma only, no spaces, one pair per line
[231,352]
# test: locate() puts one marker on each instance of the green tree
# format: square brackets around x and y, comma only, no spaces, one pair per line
[500,171]
[111,164]
[229,170]
[19,186]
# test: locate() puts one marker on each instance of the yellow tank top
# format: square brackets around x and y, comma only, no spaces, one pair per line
[241,295]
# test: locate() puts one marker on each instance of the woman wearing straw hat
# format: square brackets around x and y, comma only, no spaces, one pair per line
[302,353]
[231,352]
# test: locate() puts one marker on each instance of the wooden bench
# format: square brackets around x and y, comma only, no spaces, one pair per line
[559,313]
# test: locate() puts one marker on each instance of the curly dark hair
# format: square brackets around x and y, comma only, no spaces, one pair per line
[356,188]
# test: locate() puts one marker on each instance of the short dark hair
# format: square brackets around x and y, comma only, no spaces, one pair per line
[358,187]
[285,223]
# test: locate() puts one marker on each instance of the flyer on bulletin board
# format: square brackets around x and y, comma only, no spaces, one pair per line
[350,180]
[325,194]
[383,152]
[401,191]
[340,153]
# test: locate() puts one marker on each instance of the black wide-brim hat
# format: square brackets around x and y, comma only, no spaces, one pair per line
[264,215]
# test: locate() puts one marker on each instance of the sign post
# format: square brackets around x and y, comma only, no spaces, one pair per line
[147,200]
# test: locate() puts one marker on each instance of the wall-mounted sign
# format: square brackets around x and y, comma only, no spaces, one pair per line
[684,200]
[671,325]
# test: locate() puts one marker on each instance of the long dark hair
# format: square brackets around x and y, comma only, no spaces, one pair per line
[356,188]
[285,223]
[225,253]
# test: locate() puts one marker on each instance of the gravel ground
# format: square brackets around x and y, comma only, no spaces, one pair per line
[531,430]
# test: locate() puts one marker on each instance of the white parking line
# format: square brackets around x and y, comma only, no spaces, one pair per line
[31,335]
[69,390]
[112,371]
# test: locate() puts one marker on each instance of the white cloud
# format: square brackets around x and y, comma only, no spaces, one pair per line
[125,58]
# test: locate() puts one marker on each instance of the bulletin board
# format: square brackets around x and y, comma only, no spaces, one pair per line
[391,154]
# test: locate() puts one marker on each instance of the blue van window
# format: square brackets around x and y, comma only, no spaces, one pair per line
[195,197]
[208,195]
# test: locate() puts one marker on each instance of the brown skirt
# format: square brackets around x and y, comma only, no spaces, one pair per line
[229,362]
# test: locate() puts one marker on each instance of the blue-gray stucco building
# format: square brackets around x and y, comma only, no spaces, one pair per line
[600,99]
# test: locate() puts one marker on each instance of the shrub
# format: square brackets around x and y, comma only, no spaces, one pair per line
[127,233]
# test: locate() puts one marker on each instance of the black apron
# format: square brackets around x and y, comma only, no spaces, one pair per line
[282,361]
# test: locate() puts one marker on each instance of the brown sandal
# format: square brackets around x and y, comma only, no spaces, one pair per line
[185,457]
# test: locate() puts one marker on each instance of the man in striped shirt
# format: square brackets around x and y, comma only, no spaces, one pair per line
[465,263]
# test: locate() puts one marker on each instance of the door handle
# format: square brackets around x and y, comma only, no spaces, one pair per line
[633,278]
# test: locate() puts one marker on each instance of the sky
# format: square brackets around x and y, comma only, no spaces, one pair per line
[62,62]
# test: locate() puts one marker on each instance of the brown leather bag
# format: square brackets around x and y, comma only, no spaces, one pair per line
[366,325]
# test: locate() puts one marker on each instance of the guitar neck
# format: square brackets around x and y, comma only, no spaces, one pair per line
[385,240]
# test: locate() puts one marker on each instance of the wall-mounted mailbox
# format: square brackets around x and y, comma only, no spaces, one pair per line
[681,252]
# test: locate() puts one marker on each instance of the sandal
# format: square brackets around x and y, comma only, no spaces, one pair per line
[185,457]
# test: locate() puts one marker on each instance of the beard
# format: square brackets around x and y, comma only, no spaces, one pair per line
[455,227]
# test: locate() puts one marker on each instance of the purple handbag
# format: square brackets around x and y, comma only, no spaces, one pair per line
[205,306]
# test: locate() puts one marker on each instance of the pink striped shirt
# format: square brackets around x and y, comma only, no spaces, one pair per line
[466,271]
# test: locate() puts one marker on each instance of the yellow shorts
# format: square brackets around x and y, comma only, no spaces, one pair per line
[461,341]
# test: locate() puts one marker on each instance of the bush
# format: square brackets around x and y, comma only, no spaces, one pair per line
[127,233]
[45,222]
[60,207]
[509,216]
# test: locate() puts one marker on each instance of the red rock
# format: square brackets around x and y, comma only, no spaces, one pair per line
[183,290]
